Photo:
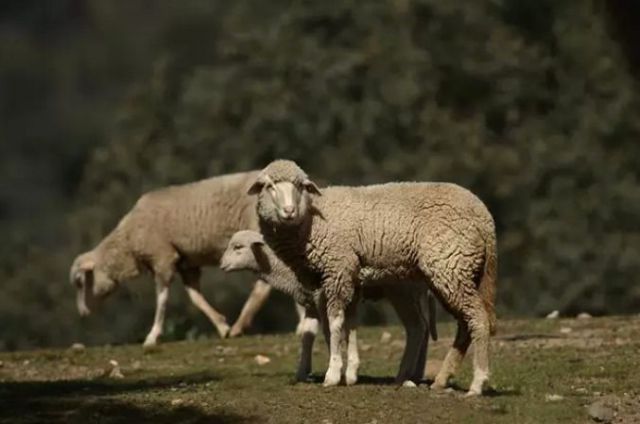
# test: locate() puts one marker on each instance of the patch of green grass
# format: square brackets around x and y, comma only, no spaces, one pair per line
[219,380]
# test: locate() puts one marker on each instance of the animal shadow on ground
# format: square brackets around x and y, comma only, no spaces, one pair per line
[82,401]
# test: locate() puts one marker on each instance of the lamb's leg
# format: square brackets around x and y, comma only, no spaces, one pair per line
[353,356]
[162,296]
[254,303]
[410,314]
[308,336]
[191,279]
[300,310]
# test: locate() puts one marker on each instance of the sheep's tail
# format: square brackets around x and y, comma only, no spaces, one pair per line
[487,285]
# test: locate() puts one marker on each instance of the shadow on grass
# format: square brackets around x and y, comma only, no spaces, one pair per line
[85,401]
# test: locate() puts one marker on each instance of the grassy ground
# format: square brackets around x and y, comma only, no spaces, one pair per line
[580,361]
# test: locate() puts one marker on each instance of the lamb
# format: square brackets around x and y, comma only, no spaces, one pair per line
[175,229]
[247,250]
[439,233]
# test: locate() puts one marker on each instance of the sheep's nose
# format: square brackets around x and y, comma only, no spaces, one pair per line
[289,210]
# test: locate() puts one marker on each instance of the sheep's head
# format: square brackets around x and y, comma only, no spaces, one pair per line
[283,191]
[91,281]
[244,252]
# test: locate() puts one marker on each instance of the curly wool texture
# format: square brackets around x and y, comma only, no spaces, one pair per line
[438,232]
[398,231]
[187,224]
[246,251]
[174,229]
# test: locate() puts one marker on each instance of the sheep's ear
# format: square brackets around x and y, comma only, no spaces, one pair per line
[311,187]
[256,187]
[258,239]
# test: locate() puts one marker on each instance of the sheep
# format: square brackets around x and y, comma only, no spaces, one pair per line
[439,233]
[247,250]
[174,229]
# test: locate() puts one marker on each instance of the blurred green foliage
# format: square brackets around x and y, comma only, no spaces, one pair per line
[531,104]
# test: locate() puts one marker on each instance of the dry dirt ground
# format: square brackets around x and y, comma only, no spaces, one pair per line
[543,371]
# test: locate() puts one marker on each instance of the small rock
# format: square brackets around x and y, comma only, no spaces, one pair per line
[385,337]
[78,347]
[581,390]
[566,330]
[115,369]
[553,398]
[26,362]
[1,364]
[600,412]
[409,383]
[399,344]
[262,360]
[136,365]
[364,347]
[176,402]
[553,315]
[584,315]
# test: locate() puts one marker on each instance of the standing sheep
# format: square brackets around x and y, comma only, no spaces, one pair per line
[437,232]
[175,229]
[247,250]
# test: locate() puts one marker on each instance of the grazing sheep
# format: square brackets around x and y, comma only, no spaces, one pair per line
[175,229]
[247,250]
[436,232]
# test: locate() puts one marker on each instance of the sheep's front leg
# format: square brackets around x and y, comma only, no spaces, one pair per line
[162,296]
[339,291]
[336,322]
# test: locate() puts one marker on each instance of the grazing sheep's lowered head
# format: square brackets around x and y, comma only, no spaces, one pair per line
[283,190]
[91,281]
[244,252]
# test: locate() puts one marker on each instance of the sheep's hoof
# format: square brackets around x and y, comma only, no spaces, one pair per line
[473,393]
[235,331]
[223,330]
[331,379]
[350,379]
[150,346]
[438,385]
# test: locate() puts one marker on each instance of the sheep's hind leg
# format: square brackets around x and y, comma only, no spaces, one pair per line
[454,357]
[254,303]
[353,356]
[191,279]
[410,315]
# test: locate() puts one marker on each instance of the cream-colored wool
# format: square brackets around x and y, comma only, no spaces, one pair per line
[246,250]
[175,229]
[437,232]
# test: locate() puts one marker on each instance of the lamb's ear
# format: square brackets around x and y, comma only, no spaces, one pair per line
[85,270]
[258,239]
[311,187]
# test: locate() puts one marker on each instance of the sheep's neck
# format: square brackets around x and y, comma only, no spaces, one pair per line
[117,256]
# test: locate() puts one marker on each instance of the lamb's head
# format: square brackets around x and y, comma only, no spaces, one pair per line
[283,190]
[92,282]
[245,251]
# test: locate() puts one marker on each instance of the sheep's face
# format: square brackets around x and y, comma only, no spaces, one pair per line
[91,281]
[242,252]
[284,193]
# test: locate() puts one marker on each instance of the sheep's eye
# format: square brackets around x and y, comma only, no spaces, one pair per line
[236,247]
